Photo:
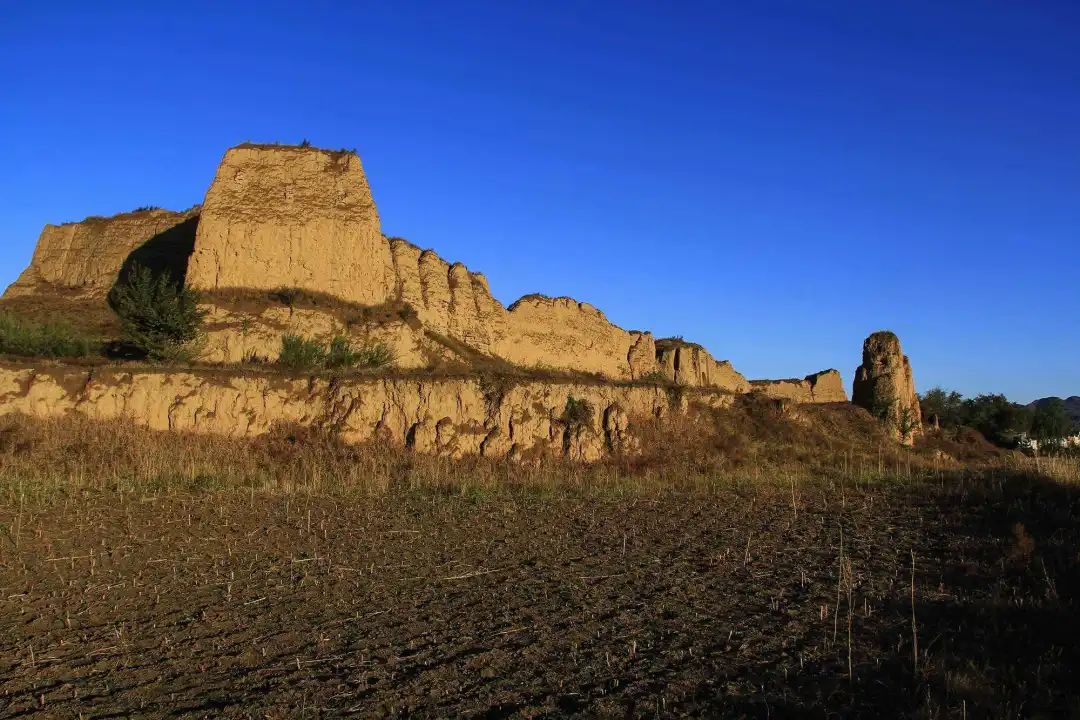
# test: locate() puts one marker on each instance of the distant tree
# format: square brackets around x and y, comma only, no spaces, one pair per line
[1050,423]
[998,419]
[946,405]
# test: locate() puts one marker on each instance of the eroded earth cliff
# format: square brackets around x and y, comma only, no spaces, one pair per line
[821,387]
[453,416]
[85,258]
[278,216]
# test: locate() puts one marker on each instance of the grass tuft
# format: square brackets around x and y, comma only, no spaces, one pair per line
[301,353]
[578,413]
[20,336]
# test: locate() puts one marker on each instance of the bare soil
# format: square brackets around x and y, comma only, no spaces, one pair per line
[776,600]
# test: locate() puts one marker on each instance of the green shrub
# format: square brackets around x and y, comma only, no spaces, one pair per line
[300,353]
[158,317]
[376,355]
[675,395]
[20,336]
[578,413]
[883,407]
[340,354]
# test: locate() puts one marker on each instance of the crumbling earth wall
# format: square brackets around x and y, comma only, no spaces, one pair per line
[452,416]
[885,386]
[86,258]
[821,387]
[304,218]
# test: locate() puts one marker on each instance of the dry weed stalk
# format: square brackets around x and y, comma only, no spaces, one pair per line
[914,626]
[794,503]
[839,582]
[849,582]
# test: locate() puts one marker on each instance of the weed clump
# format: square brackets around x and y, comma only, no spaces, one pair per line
[1023,545]
[340,354]
[301,353]
[376,355]
[578,413]
[20,336]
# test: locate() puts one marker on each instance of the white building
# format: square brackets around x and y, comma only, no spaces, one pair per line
[1026,443]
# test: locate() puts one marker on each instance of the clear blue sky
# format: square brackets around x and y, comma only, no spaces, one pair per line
[774,180]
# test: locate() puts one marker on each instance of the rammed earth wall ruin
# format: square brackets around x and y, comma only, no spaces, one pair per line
[452,416]
[85,258]
[296,217]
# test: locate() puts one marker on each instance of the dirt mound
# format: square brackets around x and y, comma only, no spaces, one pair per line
[305,218]
[963,445]
[548,332]
[519,416]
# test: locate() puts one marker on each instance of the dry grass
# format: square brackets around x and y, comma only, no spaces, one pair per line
[303,146]
[757,441]
[1062,469]
[670,343]
[88,315]
[46,460]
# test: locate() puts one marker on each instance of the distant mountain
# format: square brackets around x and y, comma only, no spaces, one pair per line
[1072,405]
